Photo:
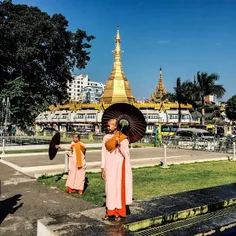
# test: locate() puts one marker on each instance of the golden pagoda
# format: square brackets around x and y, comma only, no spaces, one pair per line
[160,90]
[118,90]
[117,87]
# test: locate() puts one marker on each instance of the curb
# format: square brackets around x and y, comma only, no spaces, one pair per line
[180,215]
[43,229]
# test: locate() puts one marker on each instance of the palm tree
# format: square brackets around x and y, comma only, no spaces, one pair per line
[207,86]
[181,95]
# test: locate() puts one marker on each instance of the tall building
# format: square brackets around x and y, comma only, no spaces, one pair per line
[160,90]
[78,85]
[117,87]
[91,94]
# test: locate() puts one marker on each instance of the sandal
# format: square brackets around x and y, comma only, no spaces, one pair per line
[70,190]
[106,217]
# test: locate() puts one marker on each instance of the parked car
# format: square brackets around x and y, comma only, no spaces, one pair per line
[193,133]
[231,139]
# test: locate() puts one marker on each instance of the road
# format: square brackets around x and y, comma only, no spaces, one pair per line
[39,163]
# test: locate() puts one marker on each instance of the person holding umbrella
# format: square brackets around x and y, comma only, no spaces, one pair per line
[77,165]
[122,129]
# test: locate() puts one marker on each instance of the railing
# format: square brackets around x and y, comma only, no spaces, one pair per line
[214,145]
[21,140]
[39,139]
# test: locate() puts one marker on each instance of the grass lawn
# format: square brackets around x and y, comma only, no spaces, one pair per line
[150,182]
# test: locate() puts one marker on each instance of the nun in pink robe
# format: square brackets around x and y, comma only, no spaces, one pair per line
[117,171]
[76,177]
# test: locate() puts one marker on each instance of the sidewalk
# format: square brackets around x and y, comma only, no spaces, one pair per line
[38,201]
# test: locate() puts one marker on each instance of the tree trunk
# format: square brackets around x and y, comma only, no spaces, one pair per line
[203,111]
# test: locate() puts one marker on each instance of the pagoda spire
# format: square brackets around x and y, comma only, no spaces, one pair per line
[117,87]
[160,89]
[117,53]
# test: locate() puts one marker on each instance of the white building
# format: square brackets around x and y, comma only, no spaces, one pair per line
[91,94]
[64,119]
[78,83]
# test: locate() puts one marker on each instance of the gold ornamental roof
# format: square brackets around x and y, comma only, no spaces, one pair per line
[117,87]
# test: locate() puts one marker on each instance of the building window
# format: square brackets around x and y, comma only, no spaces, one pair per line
[79,116]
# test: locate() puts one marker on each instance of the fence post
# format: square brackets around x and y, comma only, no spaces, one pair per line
[164,165]
[234,150]
[66,166]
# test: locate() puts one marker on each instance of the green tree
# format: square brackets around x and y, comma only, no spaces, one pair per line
[231,108]
[181,94]
[206,86]
[184,93]
[191,93]
[37,55]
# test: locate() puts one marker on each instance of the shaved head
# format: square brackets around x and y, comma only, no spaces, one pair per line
[114,121]
[112,125]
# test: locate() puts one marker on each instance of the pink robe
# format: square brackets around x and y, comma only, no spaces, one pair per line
[112,163]
[76,176]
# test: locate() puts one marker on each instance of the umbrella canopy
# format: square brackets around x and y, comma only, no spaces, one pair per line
[130,120]
[52,151]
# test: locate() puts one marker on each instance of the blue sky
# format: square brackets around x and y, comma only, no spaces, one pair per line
[183,36]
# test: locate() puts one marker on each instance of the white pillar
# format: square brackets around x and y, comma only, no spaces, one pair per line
[66,162]
[233,150]
[165,159]
[66,166]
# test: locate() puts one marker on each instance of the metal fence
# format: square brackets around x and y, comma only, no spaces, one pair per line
[24,140]
[214,145]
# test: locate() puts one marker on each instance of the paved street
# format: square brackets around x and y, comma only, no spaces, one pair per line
[37,164]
